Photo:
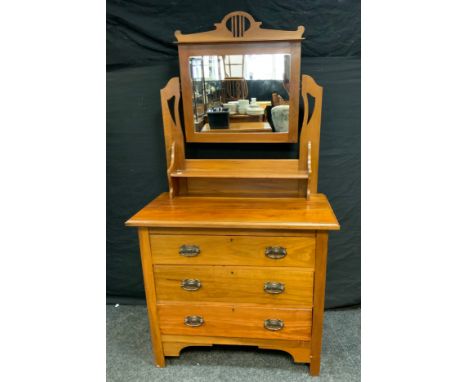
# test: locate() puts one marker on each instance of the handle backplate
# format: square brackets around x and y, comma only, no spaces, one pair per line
[189,250]
[190,284]
[273,324]
[275,252]
[273,287]
[194,321]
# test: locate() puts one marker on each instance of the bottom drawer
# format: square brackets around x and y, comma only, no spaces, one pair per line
[227,320]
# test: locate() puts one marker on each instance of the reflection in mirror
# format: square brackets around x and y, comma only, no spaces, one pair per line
[241,93]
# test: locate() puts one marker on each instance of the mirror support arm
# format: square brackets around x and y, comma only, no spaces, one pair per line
[309,143]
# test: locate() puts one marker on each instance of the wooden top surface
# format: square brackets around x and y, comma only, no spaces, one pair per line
[224,212]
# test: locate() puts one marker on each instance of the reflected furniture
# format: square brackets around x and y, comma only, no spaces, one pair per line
[235,252]
[248,50]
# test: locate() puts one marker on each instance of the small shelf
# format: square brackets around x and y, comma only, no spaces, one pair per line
[241,168]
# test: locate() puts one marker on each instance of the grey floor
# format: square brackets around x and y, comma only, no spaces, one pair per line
[129,356]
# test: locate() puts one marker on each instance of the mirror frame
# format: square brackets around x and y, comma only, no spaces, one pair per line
[239,40]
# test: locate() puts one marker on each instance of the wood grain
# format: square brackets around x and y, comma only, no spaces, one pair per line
[151,300]
[173,136]
[232,320]
[319,301]
[299,350]
[229,232]
[224,212]
[247,187]
[239,26]
[172,127]
[233,250]
[242,168]
[310,132]
[235,284]
[240,127]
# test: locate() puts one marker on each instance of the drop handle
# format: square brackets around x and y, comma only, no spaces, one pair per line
[190,284]
[273,287]
[275,252]
[194,321]
[189,250]
[273,324]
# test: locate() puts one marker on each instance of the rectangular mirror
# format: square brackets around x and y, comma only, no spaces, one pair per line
[235,93]
[240,82]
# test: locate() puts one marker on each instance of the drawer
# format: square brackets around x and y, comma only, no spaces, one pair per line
[229,320]
[233,250]
[234,284]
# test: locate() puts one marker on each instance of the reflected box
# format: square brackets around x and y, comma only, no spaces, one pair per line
[218,118]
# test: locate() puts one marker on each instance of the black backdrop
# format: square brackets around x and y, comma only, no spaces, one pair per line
[140,60]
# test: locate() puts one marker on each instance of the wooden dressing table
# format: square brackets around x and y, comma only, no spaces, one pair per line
[235,253]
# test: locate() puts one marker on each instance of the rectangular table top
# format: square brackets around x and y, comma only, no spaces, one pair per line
[228,212]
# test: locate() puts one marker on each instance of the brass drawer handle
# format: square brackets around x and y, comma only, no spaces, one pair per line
[194,321]
[273,324]
[191,284]
[273,287]
[275,252]
[189,250]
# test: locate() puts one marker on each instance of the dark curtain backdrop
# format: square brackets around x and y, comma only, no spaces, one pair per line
[141,57]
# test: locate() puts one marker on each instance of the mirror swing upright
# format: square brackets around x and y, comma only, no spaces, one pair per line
[256,225]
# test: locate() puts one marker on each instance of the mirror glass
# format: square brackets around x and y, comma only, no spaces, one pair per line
[241,93]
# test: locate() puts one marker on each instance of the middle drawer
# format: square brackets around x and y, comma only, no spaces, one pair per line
[257,285]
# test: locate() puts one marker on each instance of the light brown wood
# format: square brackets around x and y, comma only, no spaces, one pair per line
[235,284]
[233,250]
[173,136]
[173,349]
[212,170]
[172,128]
[246,187]
[241,168]
[224,212]
[150,292]
[310,134]
[249,118]
[235,320]
[239,26]
[232,210]
[299,350]
[292,48]
[319,301]
[229,232]
[246,177]
[241,127]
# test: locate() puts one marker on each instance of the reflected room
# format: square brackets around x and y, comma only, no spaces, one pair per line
[241,93]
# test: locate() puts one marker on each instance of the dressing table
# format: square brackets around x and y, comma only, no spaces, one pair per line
[235,252]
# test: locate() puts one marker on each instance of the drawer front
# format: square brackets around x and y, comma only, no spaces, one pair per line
[232,284]
[220,320]
[233,250]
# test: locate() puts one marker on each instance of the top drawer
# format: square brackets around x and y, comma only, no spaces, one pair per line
[233,250]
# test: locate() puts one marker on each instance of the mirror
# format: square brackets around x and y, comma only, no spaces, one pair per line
[240,82]
[235,93]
